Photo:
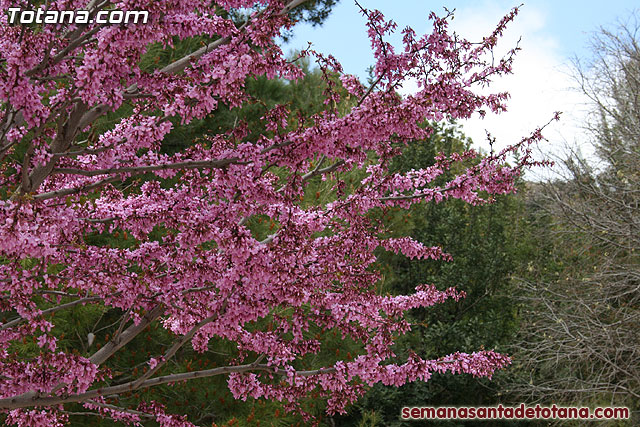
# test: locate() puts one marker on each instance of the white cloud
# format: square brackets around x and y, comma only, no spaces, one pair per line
[539,86]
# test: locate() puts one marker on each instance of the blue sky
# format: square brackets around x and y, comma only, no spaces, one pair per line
[568,22]
[552,32]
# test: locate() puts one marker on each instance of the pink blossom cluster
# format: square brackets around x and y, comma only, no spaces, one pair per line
[210,276]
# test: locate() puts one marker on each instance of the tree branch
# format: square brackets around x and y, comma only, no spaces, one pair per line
[195,164]
[25,401]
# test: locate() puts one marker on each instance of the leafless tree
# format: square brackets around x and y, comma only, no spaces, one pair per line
[581,304]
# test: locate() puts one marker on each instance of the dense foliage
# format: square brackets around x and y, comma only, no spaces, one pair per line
[488,244]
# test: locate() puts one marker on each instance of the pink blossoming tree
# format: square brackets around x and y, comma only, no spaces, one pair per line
[206,275]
